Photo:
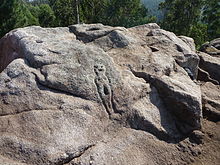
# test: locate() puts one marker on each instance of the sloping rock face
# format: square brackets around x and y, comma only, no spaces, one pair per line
[94,94]
[209,76]
[211,65]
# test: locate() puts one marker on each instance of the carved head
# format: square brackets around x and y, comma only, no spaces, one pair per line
[99,68]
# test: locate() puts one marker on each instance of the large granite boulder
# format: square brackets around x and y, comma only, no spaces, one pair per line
[94,94]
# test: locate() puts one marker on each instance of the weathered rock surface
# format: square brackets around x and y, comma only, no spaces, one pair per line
[212,47]
[94,94]
[210,64]
[209,75]
[211,101]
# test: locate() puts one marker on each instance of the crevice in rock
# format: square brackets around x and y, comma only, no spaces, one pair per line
[93,29]
[154,49]
[72,156]
[189,62]
[54,51]
[189,72]
[210,111]
[205,77]
[211,68]
[86,38]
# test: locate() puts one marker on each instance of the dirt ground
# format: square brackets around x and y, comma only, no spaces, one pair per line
[210,148]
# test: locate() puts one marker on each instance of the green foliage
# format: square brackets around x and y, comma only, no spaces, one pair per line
[112,12]
[43,13]
[199,33]
[126,13]
[14,14]
[212,18]
[181,15]
[93,11]
[34,10]
[46,16]
[184,18]
[64,11]
[23,17]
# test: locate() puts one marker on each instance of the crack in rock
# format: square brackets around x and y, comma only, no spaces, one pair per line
[71,156]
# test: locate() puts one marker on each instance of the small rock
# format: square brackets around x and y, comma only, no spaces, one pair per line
[197,136]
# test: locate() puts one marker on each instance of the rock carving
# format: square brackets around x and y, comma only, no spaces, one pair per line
[103,87]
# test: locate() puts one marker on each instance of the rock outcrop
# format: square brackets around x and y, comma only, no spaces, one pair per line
[95,94]
[211,65]
[212,47]
[209,75]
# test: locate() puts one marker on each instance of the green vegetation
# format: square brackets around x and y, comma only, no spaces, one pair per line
[183,18]
[14,14]
[199,19]
[50,13]
[211,16]
[46,15]
[111,12]
[64,11]
[126,13]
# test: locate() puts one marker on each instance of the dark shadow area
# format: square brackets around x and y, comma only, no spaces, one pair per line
[154,49]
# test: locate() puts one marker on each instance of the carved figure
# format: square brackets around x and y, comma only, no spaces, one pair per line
[103,87]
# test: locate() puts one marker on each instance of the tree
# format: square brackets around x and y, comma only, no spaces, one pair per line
[126,13]
[64,11]
[69,12]
[183,17]
[93,11]
[43,12]
[14,14]
[199,33]
[212,18]
[111,12]
[46,16]
[20,13]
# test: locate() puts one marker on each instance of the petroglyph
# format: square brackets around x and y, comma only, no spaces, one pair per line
[103,87]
